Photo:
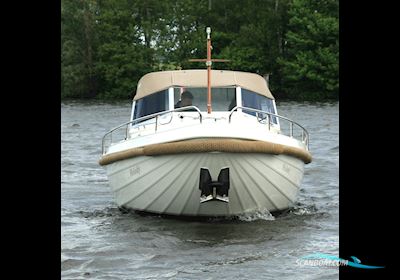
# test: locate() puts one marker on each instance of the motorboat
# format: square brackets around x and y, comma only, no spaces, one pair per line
[205,142]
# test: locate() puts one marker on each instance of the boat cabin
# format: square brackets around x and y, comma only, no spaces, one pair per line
[163,91]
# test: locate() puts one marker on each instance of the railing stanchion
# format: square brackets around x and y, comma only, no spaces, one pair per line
[291,129]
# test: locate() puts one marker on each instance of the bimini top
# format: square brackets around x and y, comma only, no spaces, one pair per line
[157,81]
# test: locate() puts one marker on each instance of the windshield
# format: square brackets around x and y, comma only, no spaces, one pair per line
[256,101]
[151,104]
[222,99]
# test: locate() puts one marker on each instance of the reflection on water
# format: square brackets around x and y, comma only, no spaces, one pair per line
[100,241]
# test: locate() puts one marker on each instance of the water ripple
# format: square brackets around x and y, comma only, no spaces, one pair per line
[102,241]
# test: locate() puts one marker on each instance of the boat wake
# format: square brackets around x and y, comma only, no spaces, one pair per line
[257,215]
[101,213]
[302,209]
[299,209]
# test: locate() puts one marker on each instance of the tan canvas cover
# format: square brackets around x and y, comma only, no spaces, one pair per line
[157,81]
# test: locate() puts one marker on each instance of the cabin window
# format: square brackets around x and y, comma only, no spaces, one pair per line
[222,99]
[256,101]
[154,103]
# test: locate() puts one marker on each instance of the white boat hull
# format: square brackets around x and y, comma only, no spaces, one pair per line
[169,184]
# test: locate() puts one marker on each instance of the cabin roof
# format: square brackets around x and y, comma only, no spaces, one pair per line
[157,81]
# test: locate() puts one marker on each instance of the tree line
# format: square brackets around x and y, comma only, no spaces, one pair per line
[107,45]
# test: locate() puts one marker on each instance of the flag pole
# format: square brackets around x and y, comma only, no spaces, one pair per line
[208,63]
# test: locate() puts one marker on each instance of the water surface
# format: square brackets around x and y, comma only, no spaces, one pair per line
[98,241]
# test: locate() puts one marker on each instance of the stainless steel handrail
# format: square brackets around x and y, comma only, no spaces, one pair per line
[304,132]
[155,115]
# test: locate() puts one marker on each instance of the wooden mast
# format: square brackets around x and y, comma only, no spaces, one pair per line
[209,62]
